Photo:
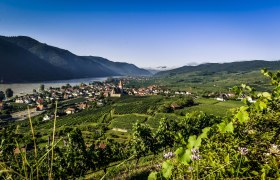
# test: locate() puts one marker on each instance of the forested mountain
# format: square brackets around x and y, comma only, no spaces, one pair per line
[19,65]
[56,60]
[121,67]
[232,67]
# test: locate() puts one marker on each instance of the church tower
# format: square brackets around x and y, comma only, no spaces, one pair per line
[121,86]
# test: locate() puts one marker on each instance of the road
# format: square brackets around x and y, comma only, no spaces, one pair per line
[22,115]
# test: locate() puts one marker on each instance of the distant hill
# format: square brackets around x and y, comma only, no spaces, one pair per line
[153,71]
[20,65]
[232,67]
[66,64]
[121,67]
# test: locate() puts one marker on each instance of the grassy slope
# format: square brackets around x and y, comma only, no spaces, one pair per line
[197,82]
[132,111]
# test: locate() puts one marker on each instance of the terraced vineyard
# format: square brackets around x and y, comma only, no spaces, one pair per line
[212,106]
[126,121]
[139,105]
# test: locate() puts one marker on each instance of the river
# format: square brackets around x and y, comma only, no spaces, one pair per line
[27,88]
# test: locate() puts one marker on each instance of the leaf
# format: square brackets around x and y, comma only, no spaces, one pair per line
[266,95]
[183,155]
[179,151]
[229,127]
[167,167]
[180,137]
[242,115]
[204,132]
[227,159]
[263,176]
[191,141]
[262,105]
[194,141]
[249,88]
[223,127]
[198,142]
[152,176]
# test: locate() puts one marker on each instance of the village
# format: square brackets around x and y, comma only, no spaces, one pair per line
[73,99]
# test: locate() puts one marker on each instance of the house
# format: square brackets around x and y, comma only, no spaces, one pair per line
[92,99]
[83,105]
[40,101]
[167,92]
[27,101]
[220,99]
[40,107]
[19,100]
[70,110]
[107,93]
[65,96]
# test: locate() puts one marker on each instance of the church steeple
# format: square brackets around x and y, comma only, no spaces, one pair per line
[121,85]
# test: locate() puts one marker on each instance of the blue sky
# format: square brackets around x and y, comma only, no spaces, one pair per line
[151,33]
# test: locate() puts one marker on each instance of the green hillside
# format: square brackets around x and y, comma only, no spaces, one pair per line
[232,67]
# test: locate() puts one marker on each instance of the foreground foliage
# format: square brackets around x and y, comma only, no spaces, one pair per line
[244,145]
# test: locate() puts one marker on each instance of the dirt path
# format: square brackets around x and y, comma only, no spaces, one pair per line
[22,115]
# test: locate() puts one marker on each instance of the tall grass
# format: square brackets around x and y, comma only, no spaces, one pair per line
[34,140]
[54,124]
[24,168]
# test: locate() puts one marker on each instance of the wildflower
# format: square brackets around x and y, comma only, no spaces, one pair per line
[190,168]
[243,151]
[195,151]
[195,154]
[195,157]
[168,155]
[274,149]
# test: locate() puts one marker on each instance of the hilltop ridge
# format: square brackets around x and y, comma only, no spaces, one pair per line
[53,63]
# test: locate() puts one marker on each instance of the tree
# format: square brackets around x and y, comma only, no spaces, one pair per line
[9,93]
[165,133]
[76,155]
[142,135]
[42,87]
[102,154]
[2,96]
[165,108]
